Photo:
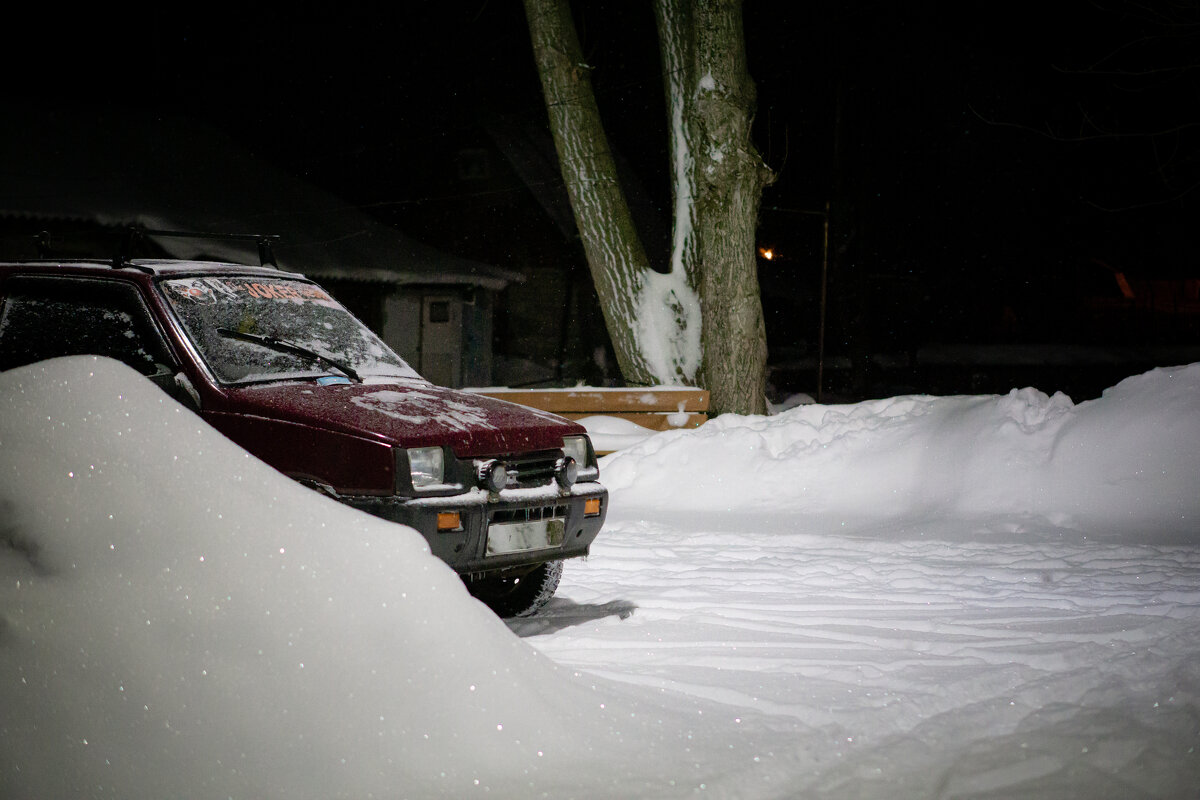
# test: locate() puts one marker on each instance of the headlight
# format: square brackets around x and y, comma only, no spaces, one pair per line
[426,466]
[577,448]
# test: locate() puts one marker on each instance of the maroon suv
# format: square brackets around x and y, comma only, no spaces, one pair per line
[502,493]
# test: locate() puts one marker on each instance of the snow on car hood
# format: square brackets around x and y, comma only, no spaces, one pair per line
[408,413]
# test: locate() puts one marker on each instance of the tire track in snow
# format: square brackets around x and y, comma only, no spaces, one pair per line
[867,641]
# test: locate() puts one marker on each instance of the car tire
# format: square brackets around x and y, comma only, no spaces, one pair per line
[519,596]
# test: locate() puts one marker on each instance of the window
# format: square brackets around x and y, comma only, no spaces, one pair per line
[46,318]
[251,329]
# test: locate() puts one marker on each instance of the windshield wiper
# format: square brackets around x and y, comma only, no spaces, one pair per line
[286,346]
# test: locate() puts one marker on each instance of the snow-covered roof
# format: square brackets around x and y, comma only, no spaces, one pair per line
[169,173]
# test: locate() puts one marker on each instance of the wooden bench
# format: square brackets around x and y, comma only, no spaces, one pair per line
[658,409]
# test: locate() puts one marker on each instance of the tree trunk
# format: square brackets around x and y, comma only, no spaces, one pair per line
[676,44]
[720,175]
[701,319]
[614,251]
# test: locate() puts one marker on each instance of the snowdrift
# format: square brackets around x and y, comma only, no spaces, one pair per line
[180,620]
[1130,458]
[177,619]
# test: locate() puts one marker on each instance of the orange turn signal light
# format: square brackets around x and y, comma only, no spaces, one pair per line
[591,508]
[449,521]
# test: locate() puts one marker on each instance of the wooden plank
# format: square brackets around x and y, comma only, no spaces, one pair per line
[655,422]
[592,400]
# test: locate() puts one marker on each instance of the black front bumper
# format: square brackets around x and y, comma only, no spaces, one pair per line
[466,549]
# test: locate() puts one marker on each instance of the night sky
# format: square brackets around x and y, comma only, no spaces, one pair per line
[987,166]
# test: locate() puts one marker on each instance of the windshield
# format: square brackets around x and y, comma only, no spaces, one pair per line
[254,329]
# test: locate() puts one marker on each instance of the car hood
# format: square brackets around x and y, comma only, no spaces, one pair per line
[407,414]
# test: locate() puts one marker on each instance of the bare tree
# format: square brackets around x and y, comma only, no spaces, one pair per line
[1136,104]
[697,320]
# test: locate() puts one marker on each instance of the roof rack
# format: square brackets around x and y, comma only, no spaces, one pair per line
[134,233]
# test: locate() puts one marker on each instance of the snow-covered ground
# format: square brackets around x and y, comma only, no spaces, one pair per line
[991,596]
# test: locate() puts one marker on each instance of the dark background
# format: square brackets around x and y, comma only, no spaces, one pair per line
[988,169]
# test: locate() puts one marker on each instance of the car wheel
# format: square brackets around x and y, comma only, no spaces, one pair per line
[518,596]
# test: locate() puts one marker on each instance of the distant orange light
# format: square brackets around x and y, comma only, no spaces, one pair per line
[449,521]
[766,253]
[591,507]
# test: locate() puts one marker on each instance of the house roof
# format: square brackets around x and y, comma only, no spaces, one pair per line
[169,173]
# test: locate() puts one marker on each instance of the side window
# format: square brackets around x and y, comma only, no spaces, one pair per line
[50,317]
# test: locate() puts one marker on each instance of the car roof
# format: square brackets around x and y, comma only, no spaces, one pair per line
[145,266]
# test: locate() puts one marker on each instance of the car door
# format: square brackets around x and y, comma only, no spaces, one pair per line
[46,317]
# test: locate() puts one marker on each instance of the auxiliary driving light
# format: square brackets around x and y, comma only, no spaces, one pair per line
[492,475]
[566,471]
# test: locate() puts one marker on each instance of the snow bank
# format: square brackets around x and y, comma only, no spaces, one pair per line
[180,620]
[177,619]
[1128,458]
[609,434]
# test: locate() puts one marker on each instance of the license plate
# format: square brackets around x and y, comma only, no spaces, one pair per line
[519,537]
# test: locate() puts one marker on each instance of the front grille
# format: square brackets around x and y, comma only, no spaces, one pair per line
[530,514]
[528,470]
